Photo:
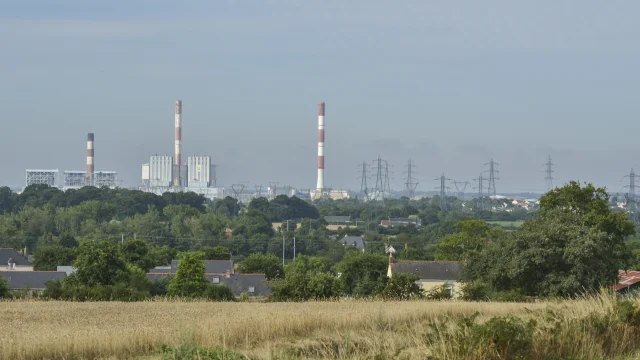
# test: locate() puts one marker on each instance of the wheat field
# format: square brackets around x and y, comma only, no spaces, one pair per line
[339,330]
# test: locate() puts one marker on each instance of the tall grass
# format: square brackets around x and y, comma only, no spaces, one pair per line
[585,329]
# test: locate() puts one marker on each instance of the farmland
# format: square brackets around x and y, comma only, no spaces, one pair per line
[593,328]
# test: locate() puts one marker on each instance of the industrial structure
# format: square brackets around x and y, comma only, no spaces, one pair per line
[75,179]
[322,191]
[45,177]
[166,173]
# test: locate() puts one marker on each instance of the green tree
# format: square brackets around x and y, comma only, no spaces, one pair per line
[190,280]
[5,292]
[68,241]
[136,252]
[401,287]
[215,253]
[555,254]
[48,258]
[269,265]
[161,255]
[305,278]
[99,263]
[471,235]
[360,273]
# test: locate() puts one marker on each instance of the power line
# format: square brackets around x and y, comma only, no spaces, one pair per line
[461,186]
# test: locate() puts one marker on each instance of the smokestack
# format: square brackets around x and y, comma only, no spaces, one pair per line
[90,159]
[320,186]
[178,139]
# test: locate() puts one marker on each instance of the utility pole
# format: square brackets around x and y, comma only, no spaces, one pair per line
[378,192]
[411,183]
[491,188]
[549,171]
[387,186]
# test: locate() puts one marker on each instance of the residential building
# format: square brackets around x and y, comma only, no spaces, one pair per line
[356,241]
[628,281]
[11,259]
[32,280]
[337,220]
[210,266]
[255,285]
[431,274]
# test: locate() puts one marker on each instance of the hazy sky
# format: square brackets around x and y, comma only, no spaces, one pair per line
[449,84]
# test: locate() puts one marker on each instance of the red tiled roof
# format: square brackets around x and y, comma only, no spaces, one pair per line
[626,279]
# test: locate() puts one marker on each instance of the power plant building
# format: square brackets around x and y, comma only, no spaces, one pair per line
[45,177]
[79,179]
[201,173]
[160,171]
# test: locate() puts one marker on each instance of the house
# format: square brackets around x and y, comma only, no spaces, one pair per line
[356,241]
[432,274]
[256,285]
[33,280]
[628,281]
[11,259]
[67,269]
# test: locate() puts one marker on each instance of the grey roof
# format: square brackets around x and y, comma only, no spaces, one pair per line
[238,283]
[34,280]
[337,219]
[430,270]
[210,266]
[356,241]
[17,258]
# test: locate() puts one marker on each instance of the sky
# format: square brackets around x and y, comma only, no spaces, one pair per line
[449,85]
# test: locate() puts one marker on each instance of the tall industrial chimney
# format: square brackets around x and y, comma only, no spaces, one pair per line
[320,186]
[178,145]
[90,159]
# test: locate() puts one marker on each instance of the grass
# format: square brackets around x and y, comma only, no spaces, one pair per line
[581,329]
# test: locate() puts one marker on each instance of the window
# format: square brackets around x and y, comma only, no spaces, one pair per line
[215,280]
[252,289]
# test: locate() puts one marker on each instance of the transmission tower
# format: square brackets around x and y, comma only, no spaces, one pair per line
[363,180]
[387,183]
[237,189]
[272,193]
[631,195]
[378,191]
[258,191]
[443,191]
[461,186]
[480,180]
[491,188]
[411,183]
[549,171]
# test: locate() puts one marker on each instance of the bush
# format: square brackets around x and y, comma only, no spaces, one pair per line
[401,287]
[219,293]
[442,292]
[4,288]
[476,291]
[513,295]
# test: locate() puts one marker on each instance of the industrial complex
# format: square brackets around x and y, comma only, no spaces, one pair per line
[167,173]
[74,179]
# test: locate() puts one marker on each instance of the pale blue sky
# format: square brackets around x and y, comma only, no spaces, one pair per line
[448,84]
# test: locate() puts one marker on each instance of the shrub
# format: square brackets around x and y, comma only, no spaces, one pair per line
[442,292]
[476,291]
[219,293]
[4,288]
[401,287]
[513,295]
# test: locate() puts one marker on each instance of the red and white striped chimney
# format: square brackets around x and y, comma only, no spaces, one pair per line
[320,186]
[178,144]
[89,159]
[178,157]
